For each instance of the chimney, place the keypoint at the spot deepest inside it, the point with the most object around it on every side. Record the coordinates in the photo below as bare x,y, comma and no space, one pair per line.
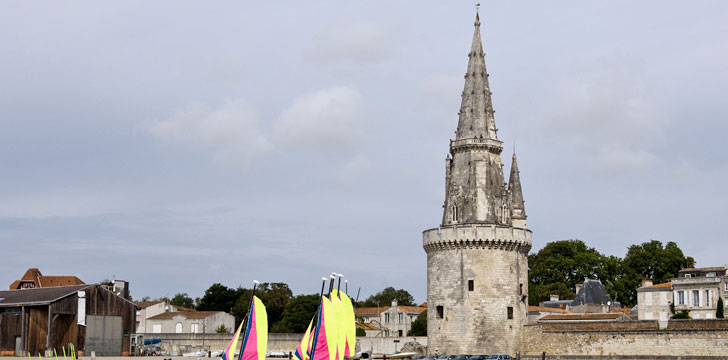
394,303
553,298
646,283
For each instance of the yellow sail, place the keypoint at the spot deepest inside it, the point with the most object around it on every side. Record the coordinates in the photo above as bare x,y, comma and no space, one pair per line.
340,324
349,325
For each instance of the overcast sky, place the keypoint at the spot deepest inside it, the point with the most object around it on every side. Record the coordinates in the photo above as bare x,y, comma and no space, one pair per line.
181,143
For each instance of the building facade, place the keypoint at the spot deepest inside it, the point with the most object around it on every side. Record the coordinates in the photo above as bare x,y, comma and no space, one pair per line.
695,290
653,301
191,322
387,321
477,266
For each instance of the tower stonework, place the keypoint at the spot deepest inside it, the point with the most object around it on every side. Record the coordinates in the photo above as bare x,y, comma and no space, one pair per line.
477,265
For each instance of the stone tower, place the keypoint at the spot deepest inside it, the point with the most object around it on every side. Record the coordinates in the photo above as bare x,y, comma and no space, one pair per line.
477,268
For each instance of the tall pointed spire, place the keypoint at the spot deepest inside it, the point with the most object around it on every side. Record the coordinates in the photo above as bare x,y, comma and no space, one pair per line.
476,109
515,195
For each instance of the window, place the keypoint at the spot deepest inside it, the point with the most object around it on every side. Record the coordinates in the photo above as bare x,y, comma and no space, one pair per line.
178,328
696,297
440,311
386,318
471,285
648,298
194,328
681,298
663,298
510,312
400,318
520,289
399,332
454,213
688,275
648,315
157,328
710,274
386,332
707,298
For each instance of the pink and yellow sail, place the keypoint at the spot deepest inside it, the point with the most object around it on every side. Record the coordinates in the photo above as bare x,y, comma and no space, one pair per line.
255,341
229,353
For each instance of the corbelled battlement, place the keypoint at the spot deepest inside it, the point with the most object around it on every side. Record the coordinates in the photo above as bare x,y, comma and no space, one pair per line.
477,236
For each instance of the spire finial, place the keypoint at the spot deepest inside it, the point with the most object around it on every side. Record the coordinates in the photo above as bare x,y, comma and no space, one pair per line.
477,14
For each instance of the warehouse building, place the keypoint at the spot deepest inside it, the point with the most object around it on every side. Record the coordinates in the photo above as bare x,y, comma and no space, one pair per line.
91,317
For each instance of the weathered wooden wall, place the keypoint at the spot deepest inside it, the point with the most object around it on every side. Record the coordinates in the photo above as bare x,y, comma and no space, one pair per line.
37,329
10,327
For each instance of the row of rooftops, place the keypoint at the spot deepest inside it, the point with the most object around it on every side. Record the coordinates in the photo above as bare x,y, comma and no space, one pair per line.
717,272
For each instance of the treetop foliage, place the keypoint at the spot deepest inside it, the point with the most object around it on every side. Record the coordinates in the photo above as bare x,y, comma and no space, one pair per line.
561,265
385,297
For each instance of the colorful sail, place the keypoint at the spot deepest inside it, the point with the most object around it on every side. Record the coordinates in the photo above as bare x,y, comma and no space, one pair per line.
255,342
340,324
324,340
303,352
229,353
349,325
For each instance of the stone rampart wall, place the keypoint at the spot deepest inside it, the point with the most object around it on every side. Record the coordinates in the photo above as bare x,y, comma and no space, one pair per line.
184,343
619,340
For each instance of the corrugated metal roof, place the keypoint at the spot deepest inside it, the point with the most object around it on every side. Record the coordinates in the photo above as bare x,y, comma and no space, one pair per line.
37,296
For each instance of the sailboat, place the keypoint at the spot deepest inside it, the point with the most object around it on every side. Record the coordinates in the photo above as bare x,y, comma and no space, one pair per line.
331,335
255,336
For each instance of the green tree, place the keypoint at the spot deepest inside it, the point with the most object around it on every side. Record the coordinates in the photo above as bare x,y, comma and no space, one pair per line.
360,332
538,292
385,297
720,309
419,326
275,296
649,260
222,329
182,299
218,297
297,314
568,262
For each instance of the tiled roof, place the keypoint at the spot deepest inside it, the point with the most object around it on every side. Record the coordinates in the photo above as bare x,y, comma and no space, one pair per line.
547,309
713,268
609,316
38,295
666,285
364,311
366,326
187,314
34,275
146,304
412,309
46,281
182,308
424,304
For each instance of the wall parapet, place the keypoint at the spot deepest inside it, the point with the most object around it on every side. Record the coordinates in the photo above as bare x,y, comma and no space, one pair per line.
477,236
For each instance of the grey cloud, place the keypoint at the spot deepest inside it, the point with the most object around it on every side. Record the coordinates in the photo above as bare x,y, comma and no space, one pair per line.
355,41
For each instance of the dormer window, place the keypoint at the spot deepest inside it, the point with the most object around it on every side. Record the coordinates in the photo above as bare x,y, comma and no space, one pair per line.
710,274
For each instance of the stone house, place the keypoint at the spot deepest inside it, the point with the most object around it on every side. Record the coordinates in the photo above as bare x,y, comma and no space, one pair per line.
149,309
535,313
653,301
697,290
190,322
387,321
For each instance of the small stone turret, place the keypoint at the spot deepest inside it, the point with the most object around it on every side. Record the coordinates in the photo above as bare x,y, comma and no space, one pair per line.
515,196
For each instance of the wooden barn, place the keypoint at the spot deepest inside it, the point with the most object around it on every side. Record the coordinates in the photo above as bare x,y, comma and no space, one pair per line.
90,317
